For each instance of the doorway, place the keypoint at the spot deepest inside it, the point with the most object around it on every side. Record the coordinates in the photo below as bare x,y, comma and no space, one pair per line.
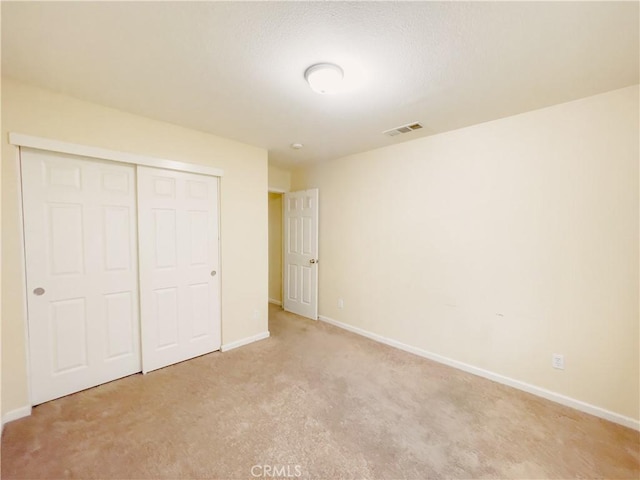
293,251
275,248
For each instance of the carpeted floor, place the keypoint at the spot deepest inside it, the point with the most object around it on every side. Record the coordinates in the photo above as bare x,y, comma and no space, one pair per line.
313,401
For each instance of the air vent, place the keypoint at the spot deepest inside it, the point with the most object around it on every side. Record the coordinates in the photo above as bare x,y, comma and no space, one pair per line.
409,127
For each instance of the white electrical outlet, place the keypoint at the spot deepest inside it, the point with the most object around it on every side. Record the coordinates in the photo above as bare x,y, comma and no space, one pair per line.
340,303
256,315
557,360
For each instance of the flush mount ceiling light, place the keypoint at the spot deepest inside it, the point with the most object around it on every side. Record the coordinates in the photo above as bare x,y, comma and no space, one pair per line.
324,77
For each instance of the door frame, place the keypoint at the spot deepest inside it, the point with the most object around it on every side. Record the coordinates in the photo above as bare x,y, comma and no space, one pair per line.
39,143
20,141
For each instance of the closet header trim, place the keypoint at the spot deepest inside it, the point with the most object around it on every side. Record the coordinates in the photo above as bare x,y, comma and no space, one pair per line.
39,143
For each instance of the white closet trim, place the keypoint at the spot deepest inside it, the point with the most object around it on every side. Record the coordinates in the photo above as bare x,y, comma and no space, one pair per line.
40,143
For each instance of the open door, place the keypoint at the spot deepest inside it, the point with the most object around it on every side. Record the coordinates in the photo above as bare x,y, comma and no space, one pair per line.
301,253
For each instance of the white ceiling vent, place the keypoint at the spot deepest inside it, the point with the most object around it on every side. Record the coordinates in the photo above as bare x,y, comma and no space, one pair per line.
409,127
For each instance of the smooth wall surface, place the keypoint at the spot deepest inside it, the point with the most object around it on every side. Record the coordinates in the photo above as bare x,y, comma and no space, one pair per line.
279,179
498,245
244,227
275,247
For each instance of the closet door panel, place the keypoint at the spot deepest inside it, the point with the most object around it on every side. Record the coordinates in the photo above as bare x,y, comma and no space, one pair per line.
81,264
179,266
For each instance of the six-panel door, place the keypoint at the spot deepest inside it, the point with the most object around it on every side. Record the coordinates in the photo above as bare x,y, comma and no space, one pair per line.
301,253
81,263
179,268
90,296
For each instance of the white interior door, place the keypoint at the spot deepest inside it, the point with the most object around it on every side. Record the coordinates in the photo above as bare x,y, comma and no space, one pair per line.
301,253
81,264
179,266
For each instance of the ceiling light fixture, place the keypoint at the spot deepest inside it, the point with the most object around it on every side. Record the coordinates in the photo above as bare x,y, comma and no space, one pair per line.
296,146
324,77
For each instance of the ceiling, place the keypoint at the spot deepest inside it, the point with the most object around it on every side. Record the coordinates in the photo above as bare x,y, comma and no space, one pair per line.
235,69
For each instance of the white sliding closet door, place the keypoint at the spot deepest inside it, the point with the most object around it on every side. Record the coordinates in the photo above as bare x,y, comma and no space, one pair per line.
81,264
179,265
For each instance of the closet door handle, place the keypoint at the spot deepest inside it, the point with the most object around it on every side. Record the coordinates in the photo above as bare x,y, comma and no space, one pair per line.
38,291
213,273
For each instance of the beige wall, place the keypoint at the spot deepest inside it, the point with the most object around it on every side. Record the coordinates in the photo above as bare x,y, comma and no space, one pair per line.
1,235
244,227
275,247
279,179
497,245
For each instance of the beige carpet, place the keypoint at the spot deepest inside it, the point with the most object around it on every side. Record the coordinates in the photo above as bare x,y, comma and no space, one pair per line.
317,402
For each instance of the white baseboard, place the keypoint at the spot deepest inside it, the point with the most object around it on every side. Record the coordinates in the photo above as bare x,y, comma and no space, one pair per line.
16,414
496,377
244,341
275,302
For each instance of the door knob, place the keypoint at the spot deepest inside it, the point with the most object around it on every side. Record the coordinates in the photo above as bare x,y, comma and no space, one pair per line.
313,260
38,291
213,273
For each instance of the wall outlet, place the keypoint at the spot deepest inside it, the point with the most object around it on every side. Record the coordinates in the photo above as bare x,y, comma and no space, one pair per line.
256,315
340,303
557,360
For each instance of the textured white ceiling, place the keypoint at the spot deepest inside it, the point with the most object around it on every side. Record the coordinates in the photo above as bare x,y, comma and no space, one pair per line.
235,69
